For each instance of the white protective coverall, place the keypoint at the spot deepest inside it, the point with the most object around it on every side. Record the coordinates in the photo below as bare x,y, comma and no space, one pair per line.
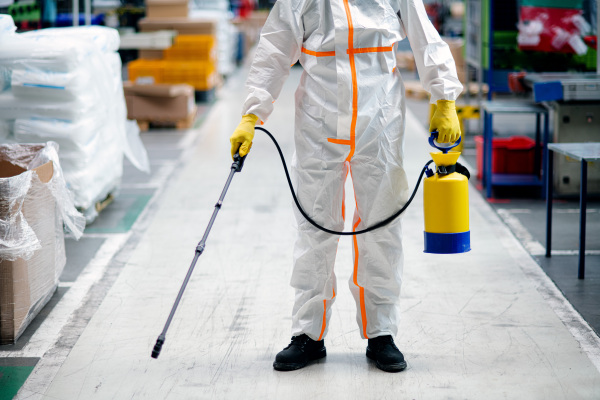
349,119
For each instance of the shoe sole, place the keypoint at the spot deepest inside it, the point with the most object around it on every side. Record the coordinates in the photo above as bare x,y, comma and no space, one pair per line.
387,367
295,366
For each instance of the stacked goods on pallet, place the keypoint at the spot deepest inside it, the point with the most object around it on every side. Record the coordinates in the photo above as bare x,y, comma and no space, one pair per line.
65,86
34,205
215,21
191,60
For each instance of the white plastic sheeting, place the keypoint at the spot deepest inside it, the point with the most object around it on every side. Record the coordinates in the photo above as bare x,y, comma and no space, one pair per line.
64,85
17,238
7,26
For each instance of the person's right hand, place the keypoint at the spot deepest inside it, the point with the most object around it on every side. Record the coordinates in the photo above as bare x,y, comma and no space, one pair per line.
445,121
243,135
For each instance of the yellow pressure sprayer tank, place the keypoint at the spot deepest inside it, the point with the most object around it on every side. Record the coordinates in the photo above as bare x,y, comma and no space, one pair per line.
446,204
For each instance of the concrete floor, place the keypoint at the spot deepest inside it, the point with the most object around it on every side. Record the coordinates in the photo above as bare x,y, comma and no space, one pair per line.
486,324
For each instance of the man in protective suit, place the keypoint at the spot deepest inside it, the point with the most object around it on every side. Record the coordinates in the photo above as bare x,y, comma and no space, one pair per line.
349,120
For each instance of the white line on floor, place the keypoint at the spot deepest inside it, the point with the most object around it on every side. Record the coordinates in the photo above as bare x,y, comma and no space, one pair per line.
519,210
573,210
554,210
571,253
48,333
531,245
534,247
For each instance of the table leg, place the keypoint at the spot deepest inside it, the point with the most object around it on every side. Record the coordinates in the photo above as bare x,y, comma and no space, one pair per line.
536,153
545,153
548,179
582,218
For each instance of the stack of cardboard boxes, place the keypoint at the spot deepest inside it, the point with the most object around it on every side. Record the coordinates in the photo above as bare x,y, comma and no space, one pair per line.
164,83
191,60
173,15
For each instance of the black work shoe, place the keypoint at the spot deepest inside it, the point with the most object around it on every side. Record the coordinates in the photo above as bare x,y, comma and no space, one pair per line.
298,353
386,355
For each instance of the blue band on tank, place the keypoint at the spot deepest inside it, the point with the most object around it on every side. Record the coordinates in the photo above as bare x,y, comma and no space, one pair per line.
447,243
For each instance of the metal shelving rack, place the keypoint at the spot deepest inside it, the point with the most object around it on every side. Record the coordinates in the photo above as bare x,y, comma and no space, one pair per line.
474,44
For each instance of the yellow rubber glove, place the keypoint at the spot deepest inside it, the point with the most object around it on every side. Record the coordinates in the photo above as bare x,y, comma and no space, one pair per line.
445,121
243,135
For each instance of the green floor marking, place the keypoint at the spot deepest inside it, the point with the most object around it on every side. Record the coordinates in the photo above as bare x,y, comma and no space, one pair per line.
11,380
128,218
133,213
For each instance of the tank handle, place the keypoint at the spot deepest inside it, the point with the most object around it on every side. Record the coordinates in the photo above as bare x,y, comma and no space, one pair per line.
444,149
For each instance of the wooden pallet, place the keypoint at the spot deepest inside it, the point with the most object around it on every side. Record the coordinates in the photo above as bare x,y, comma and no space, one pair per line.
102,204
186,123
98,206
415,90
474,88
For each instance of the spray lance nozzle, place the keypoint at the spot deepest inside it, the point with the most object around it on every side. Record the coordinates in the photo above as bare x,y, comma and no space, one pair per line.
443,149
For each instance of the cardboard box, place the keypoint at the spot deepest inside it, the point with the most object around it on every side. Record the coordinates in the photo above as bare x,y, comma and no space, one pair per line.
150,54
27,285
183,26
166,8
159,102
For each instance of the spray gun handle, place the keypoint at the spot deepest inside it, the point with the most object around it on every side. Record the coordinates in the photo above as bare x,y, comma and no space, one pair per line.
444,149
238,162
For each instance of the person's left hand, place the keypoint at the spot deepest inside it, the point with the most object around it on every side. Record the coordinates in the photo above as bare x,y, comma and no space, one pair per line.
445,122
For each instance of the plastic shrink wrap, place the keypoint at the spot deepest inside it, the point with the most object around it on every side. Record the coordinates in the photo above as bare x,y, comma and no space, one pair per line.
35,208
65,85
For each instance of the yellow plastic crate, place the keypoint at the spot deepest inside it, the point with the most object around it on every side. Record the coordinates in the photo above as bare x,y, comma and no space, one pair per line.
192,48
201,75
146,68
195,41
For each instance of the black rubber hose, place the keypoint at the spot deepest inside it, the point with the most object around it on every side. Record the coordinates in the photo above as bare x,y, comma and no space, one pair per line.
309,219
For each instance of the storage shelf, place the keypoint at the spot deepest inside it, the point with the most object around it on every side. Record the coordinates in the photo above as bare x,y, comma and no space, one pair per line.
516,180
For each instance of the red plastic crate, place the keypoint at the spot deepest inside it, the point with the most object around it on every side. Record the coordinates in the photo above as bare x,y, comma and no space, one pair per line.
512,155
